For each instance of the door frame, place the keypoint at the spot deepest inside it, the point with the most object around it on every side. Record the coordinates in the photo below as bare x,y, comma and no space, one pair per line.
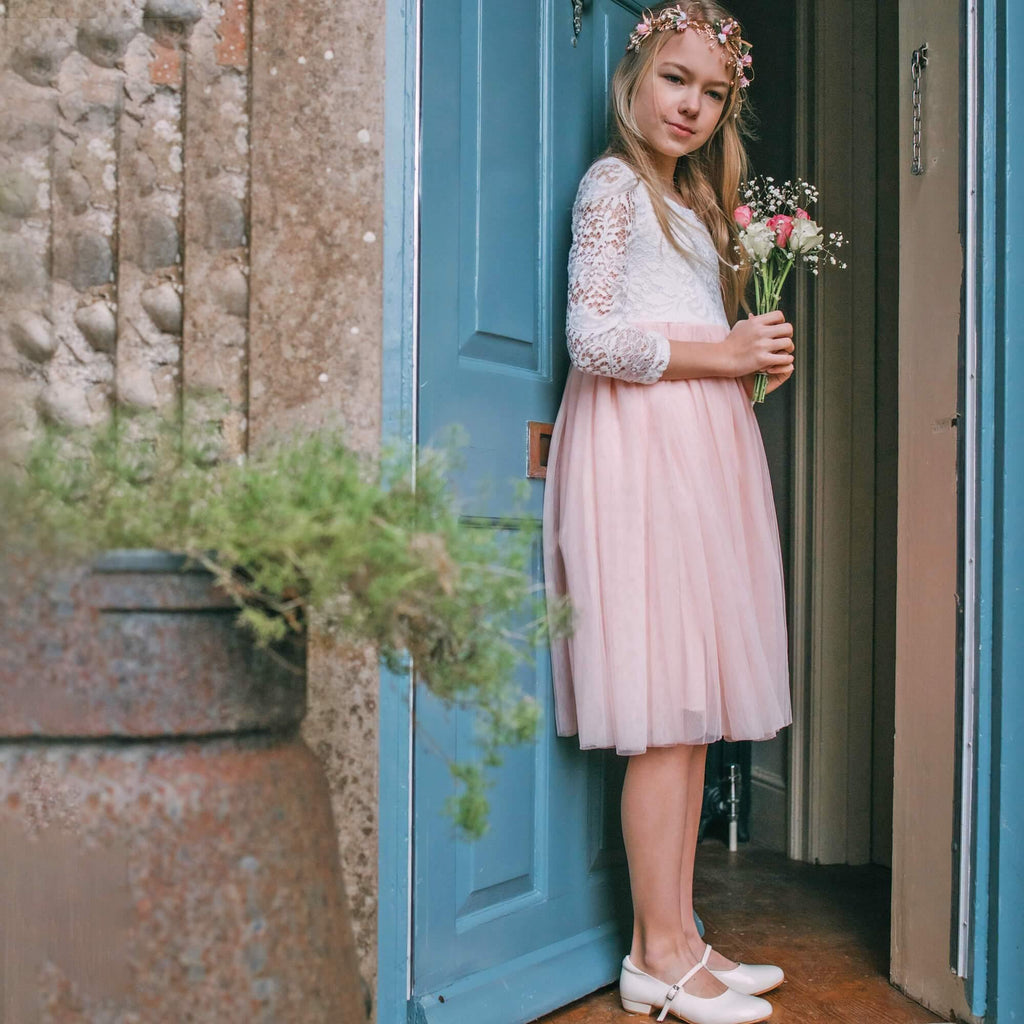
817,741
400,256
399,343
823,740
993,900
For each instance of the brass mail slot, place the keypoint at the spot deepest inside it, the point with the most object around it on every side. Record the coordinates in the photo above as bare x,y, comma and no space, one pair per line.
537,450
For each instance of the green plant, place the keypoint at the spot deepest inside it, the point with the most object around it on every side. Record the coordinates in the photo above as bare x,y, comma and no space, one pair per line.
304,528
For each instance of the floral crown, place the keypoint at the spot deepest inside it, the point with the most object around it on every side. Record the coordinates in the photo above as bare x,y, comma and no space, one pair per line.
725,32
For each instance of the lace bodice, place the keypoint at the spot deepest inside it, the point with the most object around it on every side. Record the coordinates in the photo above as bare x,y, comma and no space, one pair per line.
623,272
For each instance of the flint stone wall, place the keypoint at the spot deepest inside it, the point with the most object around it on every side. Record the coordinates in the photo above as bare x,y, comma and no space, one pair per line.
191,194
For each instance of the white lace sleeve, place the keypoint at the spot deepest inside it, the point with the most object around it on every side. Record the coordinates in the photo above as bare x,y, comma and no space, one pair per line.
600,339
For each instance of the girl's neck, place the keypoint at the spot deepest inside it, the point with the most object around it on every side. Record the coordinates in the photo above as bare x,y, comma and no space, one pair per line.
665,168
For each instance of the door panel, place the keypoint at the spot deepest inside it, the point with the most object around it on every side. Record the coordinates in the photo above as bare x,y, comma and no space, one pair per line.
512,116
501,169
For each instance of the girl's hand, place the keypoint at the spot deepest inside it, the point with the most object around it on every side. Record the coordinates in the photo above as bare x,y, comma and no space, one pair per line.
775,380
762,342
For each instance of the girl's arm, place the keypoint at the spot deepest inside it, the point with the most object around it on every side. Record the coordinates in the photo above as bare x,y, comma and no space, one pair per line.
600,339
763,342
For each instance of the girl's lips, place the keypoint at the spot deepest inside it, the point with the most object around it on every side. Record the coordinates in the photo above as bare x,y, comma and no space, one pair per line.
680,129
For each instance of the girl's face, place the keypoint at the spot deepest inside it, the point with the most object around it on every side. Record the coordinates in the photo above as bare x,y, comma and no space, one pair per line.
679,103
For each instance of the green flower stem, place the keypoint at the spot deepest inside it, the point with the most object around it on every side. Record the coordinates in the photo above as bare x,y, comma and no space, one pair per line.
760,387
769,277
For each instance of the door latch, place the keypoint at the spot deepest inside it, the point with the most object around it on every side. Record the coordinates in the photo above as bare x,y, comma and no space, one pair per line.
918,62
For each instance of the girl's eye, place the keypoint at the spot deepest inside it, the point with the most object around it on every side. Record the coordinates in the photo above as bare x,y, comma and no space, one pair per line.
673,78
716,96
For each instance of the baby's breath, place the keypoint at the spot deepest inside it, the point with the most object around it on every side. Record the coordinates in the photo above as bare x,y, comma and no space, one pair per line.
768,198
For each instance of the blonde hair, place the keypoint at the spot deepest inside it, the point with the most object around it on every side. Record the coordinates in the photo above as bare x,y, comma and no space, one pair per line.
708,179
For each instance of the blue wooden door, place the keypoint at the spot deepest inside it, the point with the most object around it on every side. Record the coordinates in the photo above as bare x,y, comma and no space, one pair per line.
532,916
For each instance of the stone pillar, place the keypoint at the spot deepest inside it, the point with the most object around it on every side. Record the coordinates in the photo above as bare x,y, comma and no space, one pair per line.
191,193
315,321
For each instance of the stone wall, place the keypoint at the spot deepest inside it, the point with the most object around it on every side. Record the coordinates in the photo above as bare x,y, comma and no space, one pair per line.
191,195
113,213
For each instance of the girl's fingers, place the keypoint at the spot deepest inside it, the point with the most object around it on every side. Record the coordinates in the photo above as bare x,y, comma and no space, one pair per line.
776,380
780,379
778,355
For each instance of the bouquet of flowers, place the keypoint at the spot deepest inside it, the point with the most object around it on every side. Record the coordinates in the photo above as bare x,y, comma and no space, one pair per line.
776,232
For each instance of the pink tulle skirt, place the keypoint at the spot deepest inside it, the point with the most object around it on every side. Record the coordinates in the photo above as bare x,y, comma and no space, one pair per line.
660,526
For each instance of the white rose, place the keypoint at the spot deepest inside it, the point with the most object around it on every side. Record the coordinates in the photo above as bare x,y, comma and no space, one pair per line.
805,237
758,240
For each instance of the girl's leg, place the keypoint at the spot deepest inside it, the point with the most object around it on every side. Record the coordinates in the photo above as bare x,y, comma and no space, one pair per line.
657,799
695,787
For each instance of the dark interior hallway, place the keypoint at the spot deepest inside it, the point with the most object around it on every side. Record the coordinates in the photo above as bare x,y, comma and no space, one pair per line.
828,927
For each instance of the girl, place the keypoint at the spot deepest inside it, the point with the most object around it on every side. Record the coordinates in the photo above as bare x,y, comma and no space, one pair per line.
659,522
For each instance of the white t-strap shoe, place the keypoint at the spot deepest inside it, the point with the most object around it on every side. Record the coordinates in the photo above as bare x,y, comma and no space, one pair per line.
641,993
750,979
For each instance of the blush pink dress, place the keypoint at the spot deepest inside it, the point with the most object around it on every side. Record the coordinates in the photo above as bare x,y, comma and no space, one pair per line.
659,521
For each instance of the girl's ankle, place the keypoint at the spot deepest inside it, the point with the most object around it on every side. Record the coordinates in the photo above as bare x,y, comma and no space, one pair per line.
694,944
661,959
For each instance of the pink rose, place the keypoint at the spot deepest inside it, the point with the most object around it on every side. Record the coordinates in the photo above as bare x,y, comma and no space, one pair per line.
782,225
802,214
743,215
643,29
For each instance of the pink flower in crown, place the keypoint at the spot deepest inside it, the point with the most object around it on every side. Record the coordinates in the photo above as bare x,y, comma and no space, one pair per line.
802,214
782,225
743,215
643,29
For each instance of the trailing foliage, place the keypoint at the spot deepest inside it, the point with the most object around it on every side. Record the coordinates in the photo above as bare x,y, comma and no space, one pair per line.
307,528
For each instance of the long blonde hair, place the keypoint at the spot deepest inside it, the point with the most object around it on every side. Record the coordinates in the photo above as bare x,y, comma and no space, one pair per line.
708,179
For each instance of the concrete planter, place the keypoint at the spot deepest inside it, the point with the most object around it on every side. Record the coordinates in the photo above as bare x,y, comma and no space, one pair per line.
167,842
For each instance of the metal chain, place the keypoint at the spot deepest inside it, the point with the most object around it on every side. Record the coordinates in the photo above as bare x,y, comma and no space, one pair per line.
918,62
577,19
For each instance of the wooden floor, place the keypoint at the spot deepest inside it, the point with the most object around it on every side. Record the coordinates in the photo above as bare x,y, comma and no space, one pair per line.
827,927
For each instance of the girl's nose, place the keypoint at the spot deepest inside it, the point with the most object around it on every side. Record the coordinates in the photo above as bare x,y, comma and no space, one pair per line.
689,101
